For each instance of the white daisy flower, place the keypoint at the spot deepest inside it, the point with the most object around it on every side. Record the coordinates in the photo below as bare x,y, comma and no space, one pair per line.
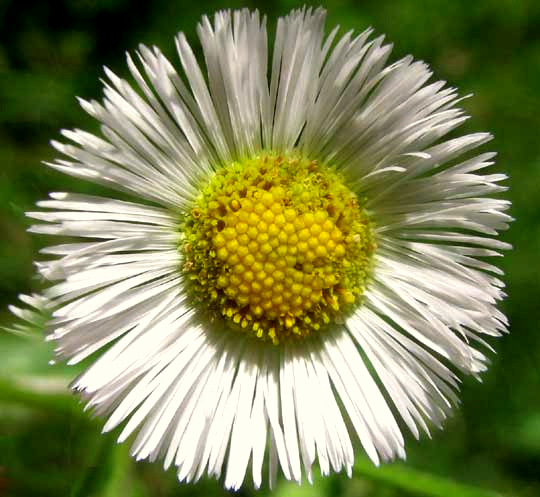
303,259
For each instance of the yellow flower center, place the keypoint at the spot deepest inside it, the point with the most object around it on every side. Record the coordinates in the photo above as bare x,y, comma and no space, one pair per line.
278,247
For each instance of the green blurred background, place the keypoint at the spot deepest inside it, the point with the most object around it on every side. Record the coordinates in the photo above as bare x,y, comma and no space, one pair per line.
52,51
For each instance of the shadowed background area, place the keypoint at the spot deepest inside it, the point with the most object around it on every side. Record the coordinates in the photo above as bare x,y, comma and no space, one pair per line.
52,51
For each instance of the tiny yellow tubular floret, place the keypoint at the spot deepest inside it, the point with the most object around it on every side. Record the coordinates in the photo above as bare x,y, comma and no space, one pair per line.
291,247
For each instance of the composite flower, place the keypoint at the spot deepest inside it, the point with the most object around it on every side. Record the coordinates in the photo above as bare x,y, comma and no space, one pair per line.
299,257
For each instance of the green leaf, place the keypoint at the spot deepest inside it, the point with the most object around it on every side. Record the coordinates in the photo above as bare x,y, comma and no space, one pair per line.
41,394
416,482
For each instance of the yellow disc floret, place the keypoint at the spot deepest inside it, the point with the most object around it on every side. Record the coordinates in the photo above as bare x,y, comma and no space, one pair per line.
278,247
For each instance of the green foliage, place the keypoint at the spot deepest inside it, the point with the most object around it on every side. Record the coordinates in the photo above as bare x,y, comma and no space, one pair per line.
52,51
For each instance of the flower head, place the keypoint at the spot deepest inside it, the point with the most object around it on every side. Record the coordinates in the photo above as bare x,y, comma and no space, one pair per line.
296,245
